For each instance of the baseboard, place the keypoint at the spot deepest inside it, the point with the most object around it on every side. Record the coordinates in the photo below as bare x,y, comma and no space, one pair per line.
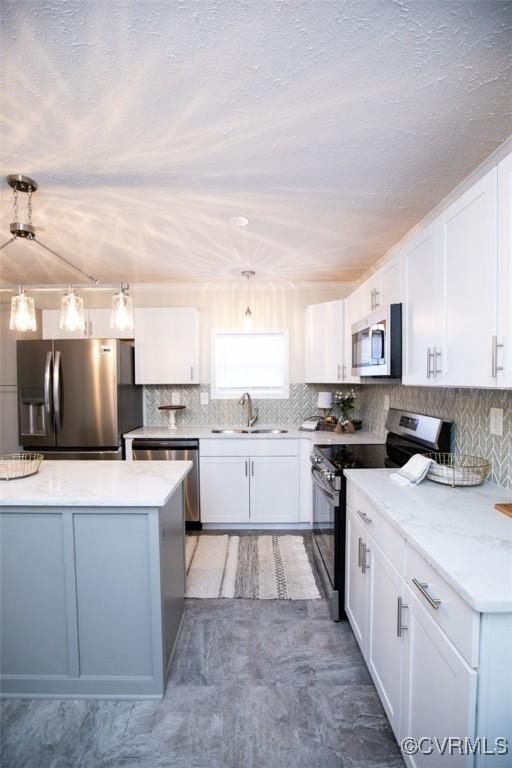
257,526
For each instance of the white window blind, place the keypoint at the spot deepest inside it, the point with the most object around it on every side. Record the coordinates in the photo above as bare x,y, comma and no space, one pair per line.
250,361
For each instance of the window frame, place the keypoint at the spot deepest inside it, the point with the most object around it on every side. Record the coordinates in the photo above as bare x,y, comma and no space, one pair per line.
257,393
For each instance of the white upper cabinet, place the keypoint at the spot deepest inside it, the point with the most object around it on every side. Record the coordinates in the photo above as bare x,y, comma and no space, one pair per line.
324,343
97,326
469,257
167,345
382,287
422,306
503,354
457,291
353,313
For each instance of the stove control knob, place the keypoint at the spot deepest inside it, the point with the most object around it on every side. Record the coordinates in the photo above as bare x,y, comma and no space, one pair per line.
330,476
316,459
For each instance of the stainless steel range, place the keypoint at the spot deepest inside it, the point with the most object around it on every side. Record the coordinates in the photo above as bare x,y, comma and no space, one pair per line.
408,433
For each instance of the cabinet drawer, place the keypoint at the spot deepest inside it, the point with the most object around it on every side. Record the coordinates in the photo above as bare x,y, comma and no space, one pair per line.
377,527
452,614
245,446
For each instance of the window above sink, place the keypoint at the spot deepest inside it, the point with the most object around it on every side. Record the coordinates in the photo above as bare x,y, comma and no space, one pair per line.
250,361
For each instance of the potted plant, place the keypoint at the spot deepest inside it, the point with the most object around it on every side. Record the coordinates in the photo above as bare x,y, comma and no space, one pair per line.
343,405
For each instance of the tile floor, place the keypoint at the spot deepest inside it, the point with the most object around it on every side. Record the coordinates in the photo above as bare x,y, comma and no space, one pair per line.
254,684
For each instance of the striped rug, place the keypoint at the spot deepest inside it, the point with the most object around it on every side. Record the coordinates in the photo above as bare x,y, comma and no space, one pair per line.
260,567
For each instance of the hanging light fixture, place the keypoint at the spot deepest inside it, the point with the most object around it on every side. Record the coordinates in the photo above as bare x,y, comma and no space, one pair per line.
23,312
72,315
122,310
248,273
25,229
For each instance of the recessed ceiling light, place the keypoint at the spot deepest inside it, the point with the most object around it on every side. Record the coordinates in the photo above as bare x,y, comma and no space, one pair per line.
239,221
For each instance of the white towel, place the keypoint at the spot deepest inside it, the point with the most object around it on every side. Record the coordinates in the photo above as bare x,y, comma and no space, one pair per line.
414,472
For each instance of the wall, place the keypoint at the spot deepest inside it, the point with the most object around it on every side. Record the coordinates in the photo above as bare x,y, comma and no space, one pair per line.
467,408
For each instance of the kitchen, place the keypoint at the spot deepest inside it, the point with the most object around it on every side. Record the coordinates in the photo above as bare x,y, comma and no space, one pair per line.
272,311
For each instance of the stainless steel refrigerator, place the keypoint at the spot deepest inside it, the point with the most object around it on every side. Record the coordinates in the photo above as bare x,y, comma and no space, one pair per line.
76,398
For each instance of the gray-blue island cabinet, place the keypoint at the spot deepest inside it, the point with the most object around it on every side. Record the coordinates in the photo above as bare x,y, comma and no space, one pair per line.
92,575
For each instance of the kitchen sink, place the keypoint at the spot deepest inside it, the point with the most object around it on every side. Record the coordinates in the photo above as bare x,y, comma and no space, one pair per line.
230,431
268,431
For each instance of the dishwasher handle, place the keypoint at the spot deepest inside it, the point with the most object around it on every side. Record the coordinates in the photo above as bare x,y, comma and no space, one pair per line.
165,445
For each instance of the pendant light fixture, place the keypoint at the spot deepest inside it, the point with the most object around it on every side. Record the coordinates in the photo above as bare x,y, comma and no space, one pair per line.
72,315
23,312
24,185
122,310
248,273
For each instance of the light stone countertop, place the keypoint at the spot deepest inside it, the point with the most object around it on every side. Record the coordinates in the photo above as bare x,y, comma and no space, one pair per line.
96,484
457,530
204,433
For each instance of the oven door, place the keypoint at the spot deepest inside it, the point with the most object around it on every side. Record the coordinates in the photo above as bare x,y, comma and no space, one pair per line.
326,516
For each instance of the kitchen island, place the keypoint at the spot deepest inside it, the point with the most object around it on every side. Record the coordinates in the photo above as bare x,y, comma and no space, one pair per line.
92,578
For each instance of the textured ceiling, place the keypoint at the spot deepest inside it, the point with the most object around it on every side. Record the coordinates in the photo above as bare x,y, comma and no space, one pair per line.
333,125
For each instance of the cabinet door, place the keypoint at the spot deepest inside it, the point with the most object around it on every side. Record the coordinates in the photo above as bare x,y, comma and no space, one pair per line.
390,282
274,489
324,342
421,307
224,484
438,689
470,264
353,313
504,354
369,294
356,582
167,345
385,642
51,330
99,326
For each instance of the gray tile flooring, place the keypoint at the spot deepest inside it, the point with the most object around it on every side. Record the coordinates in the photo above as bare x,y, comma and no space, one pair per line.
254,684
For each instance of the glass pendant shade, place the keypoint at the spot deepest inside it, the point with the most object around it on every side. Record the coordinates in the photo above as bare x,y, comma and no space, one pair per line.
72,315
122,311
23,312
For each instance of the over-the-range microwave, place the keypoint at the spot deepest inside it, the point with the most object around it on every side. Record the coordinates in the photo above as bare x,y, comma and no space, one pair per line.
377,343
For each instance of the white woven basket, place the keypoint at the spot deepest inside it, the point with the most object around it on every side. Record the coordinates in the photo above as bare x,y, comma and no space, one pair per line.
16,465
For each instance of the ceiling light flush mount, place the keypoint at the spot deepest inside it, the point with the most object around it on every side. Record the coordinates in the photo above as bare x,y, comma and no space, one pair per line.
26,185
23,312
239,221
248,273
122,310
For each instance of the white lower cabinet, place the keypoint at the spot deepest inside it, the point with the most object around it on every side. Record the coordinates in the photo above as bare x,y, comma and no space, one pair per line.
224,489
438,689
423,645
249,485
274,489
385,645
356,598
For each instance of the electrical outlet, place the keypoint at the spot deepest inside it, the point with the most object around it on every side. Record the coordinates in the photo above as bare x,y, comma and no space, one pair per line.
204,399
175,397
386,402
496,421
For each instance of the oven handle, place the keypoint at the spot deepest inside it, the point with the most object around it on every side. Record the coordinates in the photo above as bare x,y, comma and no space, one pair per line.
332,495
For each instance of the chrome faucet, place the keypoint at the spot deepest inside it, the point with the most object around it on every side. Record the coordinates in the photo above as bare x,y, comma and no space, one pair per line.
252,414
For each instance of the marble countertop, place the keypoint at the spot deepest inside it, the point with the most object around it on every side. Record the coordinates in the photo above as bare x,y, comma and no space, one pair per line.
204,433
457,530
96,484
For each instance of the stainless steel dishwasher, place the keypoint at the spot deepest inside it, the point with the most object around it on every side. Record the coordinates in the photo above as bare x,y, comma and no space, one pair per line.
176,450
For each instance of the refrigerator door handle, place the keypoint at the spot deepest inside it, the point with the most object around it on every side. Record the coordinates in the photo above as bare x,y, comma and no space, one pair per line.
47,388
56,391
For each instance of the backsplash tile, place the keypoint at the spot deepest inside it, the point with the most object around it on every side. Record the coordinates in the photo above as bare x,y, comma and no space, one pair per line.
300,405
468,409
